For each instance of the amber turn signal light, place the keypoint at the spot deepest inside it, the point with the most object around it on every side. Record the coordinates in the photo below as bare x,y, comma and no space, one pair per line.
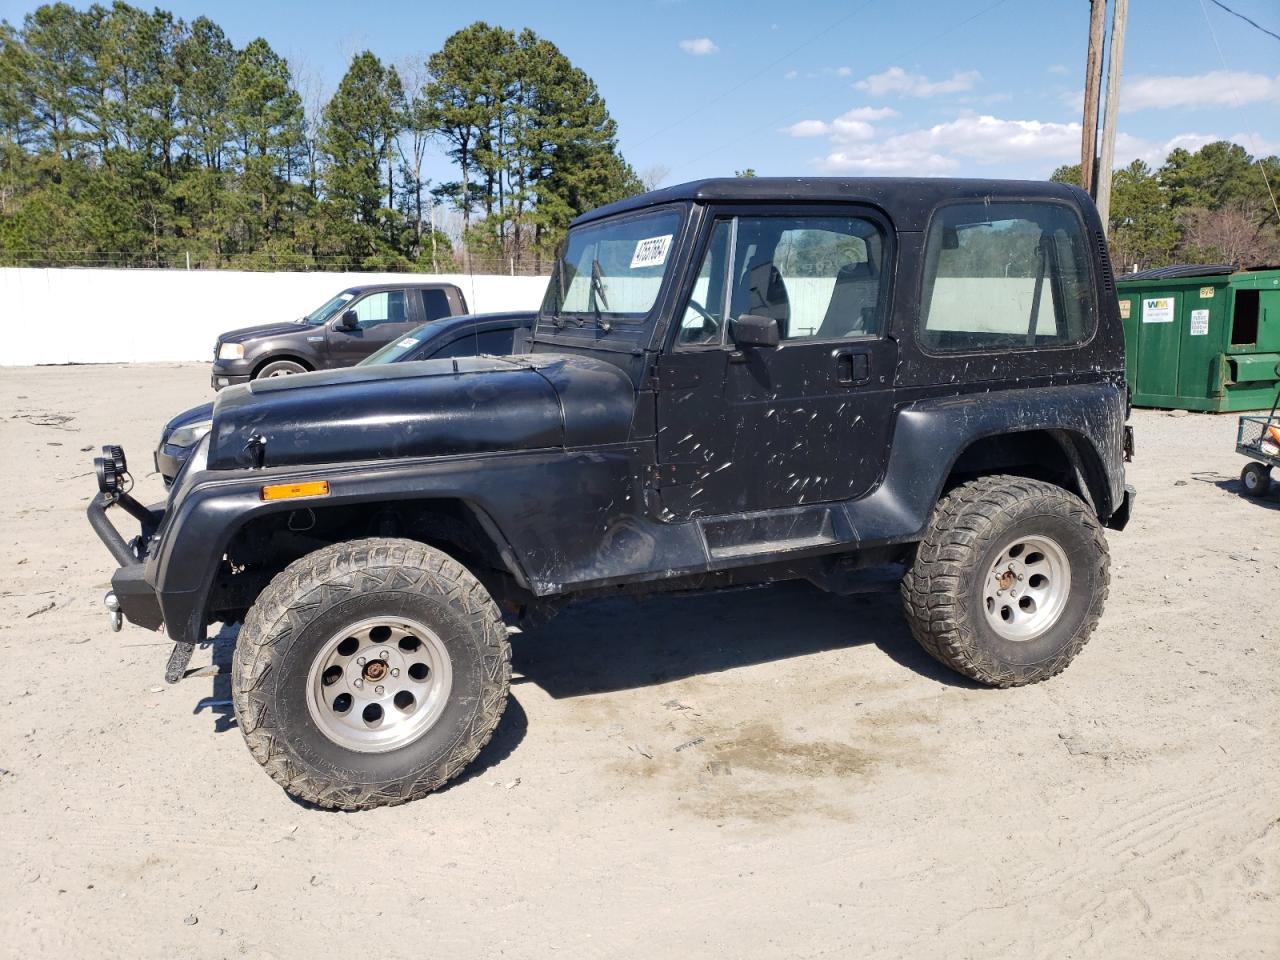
291,491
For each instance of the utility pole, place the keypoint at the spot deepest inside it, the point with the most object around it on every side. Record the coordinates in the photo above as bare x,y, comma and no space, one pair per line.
1092,86
1107,160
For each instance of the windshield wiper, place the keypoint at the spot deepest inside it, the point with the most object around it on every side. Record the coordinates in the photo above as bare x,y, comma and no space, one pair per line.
598,296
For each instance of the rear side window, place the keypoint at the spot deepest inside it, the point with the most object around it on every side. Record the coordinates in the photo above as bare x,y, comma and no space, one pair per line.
493,342
435,304
1000,276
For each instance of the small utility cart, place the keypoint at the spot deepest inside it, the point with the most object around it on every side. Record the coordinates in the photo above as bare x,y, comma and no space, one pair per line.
1259,440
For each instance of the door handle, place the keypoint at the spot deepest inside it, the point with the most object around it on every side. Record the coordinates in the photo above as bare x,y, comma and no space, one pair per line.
852,368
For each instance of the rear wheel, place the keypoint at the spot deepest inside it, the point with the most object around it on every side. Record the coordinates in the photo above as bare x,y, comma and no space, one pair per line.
370,673
1256,479
280,368
1009,581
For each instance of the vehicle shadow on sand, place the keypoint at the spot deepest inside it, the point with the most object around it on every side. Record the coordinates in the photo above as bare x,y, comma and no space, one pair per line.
218,703
618,643
1270,502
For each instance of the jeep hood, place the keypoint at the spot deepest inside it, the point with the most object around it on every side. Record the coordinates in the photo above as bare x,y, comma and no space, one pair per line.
420,409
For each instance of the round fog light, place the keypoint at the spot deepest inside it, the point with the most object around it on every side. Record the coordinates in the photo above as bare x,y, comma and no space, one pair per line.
108,479
115,453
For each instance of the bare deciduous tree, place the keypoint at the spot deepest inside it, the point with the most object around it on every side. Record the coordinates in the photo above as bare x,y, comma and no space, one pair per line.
1231,234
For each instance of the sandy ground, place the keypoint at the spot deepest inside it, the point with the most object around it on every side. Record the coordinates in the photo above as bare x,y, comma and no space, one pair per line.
769,773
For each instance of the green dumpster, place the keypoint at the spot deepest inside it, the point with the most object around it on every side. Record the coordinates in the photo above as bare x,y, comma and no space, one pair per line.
1201,338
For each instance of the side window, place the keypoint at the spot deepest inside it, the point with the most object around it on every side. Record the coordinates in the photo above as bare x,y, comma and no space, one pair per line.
704,314
493,342
829,270
385,306
819,277
435,303
1004,275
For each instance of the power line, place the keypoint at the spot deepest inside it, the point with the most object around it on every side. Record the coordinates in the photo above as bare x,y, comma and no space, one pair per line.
1252,23
1262,167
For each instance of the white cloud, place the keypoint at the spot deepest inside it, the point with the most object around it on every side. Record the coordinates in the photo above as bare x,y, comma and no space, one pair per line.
896,80
1153,152
1129,148
869,113
844,71
851,126
977,140
1257,145
699,46
1057,68
981,139
1228,88
808,128
790,75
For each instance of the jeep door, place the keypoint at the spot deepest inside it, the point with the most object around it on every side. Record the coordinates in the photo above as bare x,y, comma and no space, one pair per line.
382,315
807,421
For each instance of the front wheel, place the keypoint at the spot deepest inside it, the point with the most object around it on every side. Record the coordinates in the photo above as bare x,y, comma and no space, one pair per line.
280,368
1009,580
1256,479
370,673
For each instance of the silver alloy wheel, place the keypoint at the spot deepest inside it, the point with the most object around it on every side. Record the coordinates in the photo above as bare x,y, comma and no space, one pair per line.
379,685
1027,587
282,372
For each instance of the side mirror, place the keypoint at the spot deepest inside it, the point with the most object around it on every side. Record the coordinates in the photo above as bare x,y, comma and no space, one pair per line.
348,320
751,330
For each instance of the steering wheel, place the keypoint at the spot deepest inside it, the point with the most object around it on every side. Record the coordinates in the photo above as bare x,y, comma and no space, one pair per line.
710,325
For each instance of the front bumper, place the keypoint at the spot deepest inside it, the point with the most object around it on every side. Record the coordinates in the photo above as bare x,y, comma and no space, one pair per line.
229,374
137,598
132,594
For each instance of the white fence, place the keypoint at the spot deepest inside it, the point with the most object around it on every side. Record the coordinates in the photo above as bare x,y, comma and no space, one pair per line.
134,316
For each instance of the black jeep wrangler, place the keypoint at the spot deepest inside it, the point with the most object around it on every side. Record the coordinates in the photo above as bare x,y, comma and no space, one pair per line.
731,381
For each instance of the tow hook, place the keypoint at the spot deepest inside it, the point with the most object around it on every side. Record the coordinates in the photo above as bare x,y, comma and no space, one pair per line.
113,608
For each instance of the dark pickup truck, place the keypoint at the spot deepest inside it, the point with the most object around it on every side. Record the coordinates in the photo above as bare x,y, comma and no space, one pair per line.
729,382
340,333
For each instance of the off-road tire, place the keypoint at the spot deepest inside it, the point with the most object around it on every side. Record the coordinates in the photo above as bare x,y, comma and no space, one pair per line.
280,368
295,616
1255,479
942,590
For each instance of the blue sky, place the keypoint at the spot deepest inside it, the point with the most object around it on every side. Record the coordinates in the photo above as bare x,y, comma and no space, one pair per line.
704,87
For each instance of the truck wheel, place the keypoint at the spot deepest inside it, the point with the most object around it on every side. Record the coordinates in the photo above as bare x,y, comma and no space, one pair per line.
1009,581
370,673
1256,479
280,368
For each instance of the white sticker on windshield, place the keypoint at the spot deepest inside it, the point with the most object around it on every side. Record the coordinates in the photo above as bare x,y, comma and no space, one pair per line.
407,342
651,252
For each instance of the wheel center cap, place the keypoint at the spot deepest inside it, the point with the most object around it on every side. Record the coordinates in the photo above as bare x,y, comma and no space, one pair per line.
375,670
1007,579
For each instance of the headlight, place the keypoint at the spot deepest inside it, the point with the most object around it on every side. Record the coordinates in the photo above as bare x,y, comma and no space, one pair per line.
189,434
198,460
231,351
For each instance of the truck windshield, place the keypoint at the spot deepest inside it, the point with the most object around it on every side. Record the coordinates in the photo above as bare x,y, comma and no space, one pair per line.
321,314
612,269
397,349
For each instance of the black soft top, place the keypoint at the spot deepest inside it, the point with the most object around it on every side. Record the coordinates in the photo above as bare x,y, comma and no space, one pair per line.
907,199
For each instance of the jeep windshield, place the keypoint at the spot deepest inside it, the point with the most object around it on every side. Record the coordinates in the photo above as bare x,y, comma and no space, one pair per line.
323,313
611,270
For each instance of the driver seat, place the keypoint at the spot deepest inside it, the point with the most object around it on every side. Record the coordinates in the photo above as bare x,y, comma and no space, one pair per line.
764,294
854,299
